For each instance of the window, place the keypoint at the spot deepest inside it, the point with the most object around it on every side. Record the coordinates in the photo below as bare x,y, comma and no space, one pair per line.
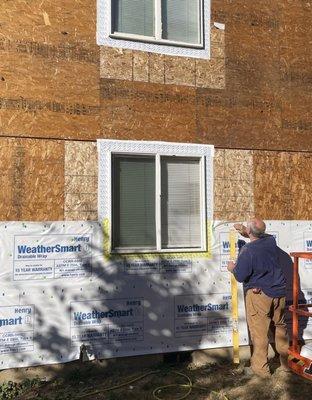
158,203
177,22
171,27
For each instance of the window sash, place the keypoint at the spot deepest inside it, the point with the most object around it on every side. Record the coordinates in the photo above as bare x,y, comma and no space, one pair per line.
133,16
133,197
180,202
158,211
181,20
158,32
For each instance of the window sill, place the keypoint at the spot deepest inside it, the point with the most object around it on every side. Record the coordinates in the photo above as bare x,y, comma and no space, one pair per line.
153,251
151,40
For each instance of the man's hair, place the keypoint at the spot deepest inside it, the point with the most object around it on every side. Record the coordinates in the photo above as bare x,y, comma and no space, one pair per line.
257,229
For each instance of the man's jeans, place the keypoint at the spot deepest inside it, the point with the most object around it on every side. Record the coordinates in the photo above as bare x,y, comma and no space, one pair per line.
261,311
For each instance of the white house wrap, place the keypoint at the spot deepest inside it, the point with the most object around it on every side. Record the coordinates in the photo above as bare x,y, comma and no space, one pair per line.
58,292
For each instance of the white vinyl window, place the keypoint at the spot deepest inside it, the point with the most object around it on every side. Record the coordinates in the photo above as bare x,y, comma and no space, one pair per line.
158,203
172,22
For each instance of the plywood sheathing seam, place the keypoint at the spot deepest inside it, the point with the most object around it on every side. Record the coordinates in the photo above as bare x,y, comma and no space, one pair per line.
141,66
80,181
32,181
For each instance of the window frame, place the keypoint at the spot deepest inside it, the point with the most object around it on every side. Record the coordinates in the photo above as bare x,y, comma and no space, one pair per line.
158,30
203,204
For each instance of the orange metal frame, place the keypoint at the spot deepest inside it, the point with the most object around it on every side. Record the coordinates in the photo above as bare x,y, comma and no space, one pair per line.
300,365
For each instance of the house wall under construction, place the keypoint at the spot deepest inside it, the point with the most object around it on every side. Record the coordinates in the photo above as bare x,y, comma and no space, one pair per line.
60,91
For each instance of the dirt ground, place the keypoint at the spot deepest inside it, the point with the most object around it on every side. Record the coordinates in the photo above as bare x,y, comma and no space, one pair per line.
219,381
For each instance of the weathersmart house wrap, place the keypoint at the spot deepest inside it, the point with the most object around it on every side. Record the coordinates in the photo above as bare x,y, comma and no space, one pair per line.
59,292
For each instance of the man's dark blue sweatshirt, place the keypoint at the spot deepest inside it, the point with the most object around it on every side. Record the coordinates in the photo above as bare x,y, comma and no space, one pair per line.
258,266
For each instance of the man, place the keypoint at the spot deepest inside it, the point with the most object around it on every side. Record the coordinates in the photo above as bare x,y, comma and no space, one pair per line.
259,268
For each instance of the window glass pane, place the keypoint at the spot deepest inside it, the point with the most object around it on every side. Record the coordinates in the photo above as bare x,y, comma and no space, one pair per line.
180,202
134,202
181,20
133,16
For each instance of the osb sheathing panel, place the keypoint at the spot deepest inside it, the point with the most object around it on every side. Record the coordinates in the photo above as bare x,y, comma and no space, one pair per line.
81,173
267,59
233,185
135,65
300,185
145,111
49,75
262,102
63,81
32,181
254,93
272,185
49,21
252,75
283,185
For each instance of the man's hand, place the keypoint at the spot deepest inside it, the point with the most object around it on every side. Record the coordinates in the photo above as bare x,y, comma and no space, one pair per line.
231,266
241,229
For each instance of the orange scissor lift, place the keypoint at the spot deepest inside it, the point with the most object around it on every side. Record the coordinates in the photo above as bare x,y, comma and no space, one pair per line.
300,358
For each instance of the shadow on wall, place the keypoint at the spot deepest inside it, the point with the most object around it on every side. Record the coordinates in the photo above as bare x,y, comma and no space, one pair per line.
104,293
110,281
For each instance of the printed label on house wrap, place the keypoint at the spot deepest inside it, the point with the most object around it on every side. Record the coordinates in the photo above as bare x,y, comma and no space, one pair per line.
107,321
202,314
16,329
51,256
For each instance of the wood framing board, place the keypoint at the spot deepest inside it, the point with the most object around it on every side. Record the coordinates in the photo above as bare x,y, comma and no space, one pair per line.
81,180
33,180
